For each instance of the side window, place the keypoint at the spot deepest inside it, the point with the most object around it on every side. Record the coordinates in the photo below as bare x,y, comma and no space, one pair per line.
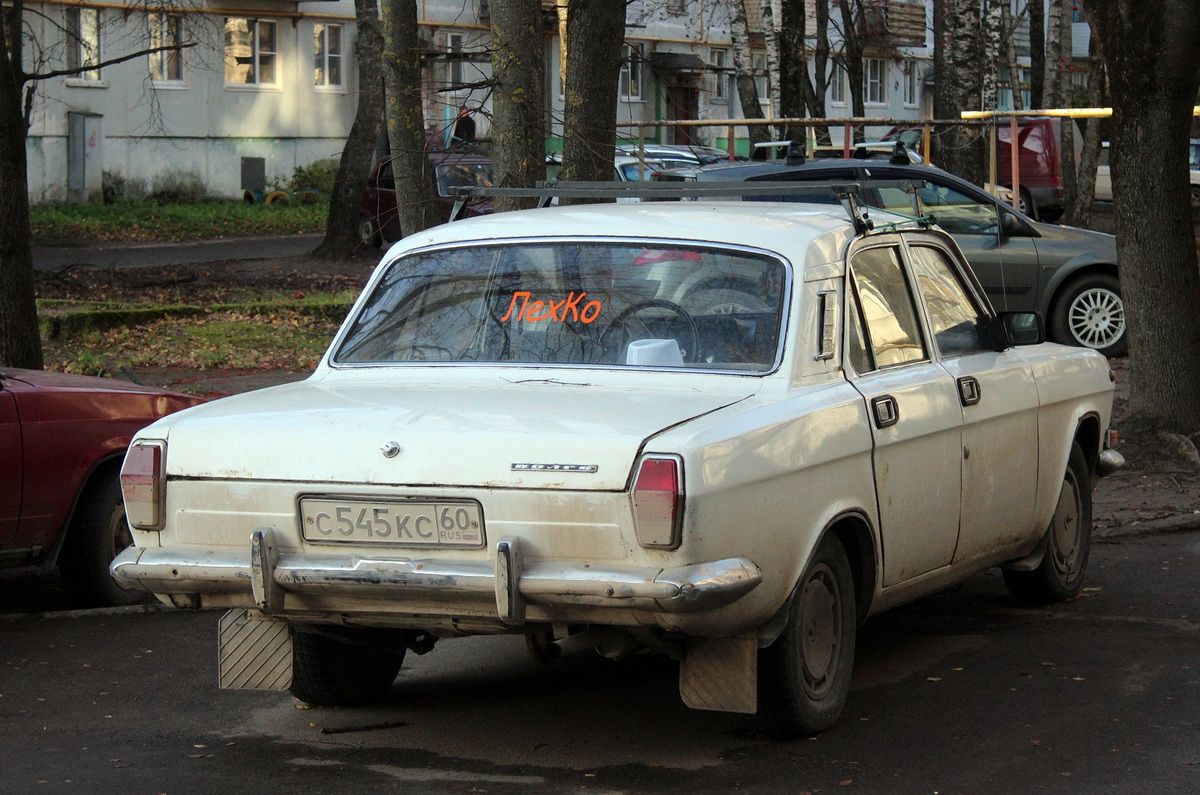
953,316
886,306
958,213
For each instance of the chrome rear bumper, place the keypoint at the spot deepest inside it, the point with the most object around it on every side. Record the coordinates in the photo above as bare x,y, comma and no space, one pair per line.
269,576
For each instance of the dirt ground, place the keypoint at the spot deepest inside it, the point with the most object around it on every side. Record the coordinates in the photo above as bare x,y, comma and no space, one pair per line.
1157,491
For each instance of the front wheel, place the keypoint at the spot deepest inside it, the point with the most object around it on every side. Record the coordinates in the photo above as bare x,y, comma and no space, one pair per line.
328,672
804,676
1068,541
1090,313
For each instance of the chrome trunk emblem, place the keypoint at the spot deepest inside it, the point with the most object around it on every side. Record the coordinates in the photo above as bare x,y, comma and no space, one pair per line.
586,468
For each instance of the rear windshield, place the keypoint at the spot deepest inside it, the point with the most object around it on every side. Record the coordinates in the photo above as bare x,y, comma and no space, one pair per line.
603,304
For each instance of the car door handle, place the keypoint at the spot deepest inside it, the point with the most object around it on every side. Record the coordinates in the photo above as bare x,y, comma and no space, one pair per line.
886,411
968,391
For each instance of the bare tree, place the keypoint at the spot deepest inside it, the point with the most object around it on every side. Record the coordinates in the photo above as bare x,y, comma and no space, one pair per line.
743,63
1037,52
956,58
20,342
342,238
992,28
851,58
1009,23
518,108
416,199
1079,203
1057,87
1152,51
595,36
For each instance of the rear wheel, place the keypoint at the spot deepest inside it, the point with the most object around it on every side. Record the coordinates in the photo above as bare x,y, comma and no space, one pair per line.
1090,313
97,533
329,672
804,676
1068,541
368,233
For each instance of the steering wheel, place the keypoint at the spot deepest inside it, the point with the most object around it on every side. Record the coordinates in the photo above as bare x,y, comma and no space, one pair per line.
625,322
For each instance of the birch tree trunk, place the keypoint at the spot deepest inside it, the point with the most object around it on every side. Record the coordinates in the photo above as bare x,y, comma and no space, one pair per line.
957,52
341,226
743,64
771,34
518,107
1010,52
1152,55
993,23
416,198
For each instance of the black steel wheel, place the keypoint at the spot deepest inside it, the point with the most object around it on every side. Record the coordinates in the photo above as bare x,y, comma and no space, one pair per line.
1068,541
97,533
330,672
804,676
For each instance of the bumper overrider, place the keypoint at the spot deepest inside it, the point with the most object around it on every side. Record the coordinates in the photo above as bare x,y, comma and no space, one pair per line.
268,575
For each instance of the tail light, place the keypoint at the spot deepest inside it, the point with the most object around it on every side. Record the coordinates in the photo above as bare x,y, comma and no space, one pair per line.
144,484
658,501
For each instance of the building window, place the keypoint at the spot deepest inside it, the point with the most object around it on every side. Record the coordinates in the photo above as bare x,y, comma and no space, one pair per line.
251,52
631,72
874,87
166,30
676,7
721,79
912,84
837,85
83,42
454,61
762,83
327,55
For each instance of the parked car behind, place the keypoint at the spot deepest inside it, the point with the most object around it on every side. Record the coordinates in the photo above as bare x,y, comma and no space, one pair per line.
678,155
1067,275
379,217
1038,137
1104,190
726,432
63,437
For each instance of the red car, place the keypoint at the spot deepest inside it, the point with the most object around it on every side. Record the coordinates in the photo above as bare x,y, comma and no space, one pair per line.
62,439
379,220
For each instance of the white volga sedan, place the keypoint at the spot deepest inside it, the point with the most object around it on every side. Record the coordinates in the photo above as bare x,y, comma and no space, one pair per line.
727,432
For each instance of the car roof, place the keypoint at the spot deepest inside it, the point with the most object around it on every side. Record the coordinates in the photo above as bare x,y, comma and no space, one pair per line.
753,169
788,228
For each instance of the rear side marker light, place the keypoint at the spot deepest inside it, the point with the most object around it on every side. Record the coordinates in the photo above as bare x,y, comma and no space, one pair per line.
658,502
143,484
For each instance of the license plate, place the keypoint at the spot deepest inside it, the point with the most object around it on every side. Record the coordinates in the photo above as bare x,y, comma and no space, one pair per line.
409,523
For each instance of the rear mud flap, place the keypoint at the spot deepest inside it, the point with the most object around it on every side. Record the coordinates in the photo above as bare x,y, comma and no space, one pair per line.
720,674
255,651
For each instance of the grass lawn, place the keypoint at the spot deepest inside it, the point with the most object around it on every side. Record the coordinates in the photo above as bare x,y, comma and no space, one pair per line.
147,221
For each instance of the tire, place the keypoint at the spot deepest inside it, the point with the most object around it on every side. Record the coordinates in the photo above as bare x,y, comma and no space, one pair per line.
1028,206
1089,313
281,198
96,534
804,676
1068,542
368,233
327,672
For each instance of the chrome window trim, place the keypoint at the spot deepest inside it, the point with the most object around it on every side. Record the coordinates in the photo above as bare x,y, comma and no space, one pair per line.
650,242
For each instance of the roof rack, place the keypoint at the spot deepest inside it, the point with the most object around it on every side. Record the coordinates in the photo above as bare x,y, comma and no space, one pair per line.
848,193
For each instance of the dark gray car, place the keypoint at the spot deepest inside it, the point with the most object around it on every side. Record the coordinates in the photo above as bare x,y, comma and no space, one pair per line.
1067,275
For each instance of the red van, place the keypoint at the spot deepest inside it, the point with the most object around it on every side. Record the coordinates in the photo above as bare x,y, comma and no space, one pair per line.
1040,175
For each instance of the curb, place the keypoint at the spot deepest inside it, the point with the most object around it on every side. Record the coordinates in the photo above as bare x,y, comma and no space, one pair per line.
1180,523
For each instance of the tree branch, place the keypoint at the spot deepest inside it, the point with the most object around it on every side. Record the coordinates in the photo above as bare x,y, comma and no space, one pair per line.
110,62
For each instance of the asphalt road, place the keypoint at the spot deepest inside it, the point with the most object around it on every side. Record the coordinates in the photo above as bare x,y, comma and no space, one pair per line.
55,258
965,692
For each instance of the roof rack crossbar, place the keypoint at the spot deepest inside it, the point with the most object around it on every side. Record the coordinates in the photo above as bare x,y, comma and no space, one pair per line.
848,193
